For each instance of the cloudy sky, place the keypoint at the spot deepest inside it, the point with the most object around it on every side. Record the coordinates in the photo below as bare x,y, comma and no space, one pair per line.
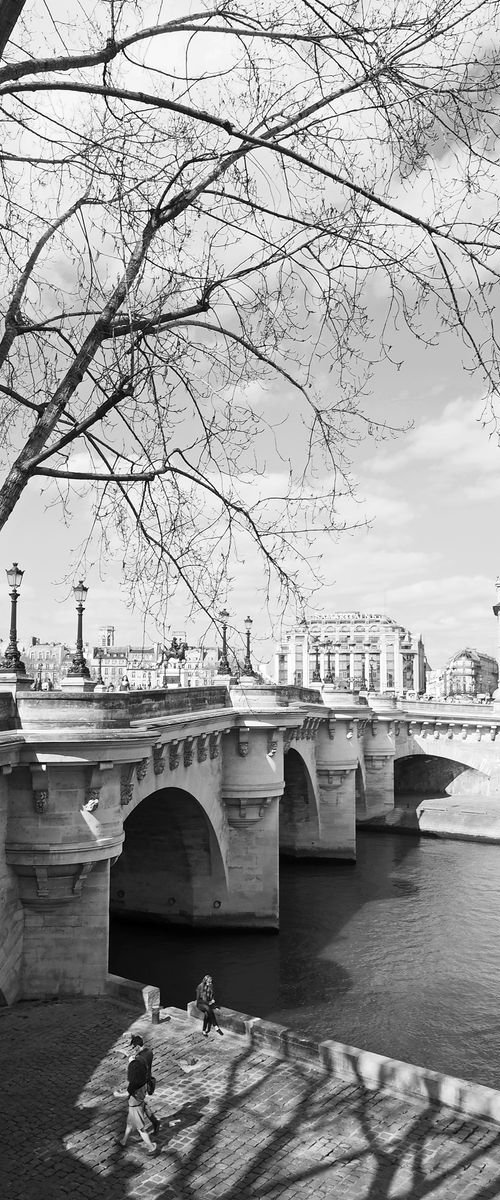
429,558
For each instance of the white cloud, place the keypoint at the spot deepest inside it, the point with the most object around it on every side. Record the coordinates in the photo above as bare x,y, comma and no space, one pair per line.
425,590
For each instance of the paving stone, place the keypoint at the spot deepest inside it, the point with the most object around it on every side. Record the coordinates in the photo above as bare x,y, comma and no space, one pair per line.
251,1127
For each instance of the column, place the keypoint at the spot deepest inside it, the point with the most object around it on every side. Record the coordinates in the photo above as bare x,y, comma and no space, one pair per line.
279,651
308,666
383,667
415,674
299,649
496,610
398,666
367,664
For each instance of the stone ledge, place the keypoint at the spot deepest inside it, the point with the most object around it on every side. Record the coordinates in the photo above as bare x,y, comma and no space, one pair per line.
234,1022
130,990
364,1068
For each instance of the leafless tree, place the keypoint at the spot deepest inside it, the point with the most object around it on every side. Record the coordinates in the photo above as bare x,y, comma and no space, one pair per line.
211,227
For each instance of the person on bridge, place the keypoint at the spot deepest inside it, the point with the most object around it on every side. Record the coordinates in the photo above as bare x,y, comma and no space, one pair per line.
140,1082
205,1001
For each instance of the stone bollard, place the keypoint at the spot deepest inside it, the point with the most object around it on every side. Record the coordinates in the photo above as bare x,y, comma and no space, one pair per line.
151,997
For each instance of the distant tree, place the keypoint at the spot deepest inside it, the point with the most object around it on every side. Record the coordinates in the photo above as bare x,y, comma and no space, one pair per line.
195,210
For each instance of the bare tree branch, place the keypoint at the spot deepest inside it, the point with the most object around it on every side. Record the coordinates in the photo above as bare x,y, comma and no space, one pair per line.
204,302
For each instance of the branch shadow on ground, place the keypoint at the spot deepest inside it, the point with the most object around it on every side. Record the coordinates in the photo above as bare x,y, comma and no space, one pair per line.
254,1126
266,1166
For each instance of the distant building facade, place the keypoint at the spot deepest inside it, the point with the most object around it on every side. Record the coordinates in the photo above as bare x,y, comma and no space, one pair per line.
353,650
47,662
155,666
467,673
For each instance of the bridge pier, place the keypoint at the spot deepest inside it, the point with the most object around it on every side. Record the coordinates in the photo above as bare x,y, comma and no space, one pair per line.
253,864
251,789
59,852
378,757
65,943
336,762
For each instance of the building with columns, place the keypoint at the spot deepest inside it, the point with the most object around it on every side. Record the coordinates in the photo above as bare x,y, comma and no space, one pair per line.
353,650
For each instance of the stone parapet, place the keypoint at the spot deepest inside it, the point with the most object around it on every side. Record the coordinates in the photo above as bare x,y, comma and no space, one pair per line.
372,1071
111,710
130,990
261,696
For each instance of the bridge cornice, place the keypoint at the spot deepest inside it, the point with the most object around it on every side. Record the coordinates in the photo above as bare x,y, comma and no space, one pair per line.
81,746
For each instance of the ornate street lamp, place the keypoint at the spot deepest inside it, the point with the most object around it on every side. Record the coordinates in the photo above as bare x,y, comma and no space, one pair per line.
247,665
328,647
12,658
79,666
316,675
99,654
223,667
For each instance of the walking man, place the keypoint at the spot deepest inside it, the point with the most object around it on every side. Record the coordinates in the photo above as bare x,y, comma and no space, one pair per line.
139,1075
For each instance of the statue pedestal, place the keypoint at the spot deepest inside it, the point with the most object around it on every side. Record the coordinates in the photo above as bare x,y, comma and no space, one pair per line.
77,683
14,681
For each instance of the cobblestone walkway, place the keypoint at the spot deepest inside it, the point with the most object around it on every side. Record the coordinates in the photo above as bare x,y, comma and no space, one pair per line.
246,1125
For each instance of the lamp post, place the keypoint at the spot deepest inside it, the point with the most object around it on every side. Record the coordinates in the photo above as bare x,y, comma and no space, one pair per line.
12,658
328,648
247,665
316,675
99,656
223,667
79,666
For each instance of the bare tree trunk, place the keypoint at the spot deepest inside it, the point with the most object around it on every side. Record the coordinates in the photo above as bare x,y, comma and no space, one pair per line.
10,11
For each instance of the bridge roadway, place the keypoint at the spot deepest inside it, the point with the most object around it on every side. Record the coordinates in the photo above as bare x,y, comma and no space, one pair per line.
176,805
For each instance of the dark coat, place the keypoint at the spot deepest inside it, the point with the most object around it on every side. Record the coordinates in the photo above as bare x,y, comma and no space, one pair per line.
139,1070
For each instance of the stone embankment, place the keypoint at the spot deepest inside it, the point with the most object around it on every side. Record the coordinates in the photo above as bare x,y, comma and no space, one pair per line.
473,818
247,1116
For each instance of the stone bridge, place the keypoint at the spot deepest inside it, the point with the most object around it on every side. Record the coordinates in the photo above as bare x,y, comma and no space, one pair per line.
176,805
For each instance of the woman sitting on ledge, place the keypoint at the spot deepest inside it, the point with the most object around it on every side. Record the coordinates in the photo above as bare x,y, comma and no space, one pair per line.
205,1001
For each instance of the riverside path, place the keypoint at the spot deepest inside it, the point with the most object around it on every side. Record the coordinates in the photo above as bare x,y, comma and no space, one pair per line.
237,1122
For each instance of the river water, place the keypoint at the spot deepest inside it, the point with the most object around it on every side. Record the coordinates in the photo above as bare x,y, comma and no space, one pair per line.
399,954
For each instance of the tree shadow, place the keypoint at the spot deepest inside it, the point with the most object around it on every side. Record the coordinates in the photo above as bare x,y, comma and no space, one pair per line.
183,1117
421,1150
252,1125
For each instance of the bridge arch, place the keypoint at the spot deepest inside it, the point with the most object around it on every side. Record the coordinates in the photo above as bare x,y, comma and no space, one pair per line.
298,812
432,775
172,866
